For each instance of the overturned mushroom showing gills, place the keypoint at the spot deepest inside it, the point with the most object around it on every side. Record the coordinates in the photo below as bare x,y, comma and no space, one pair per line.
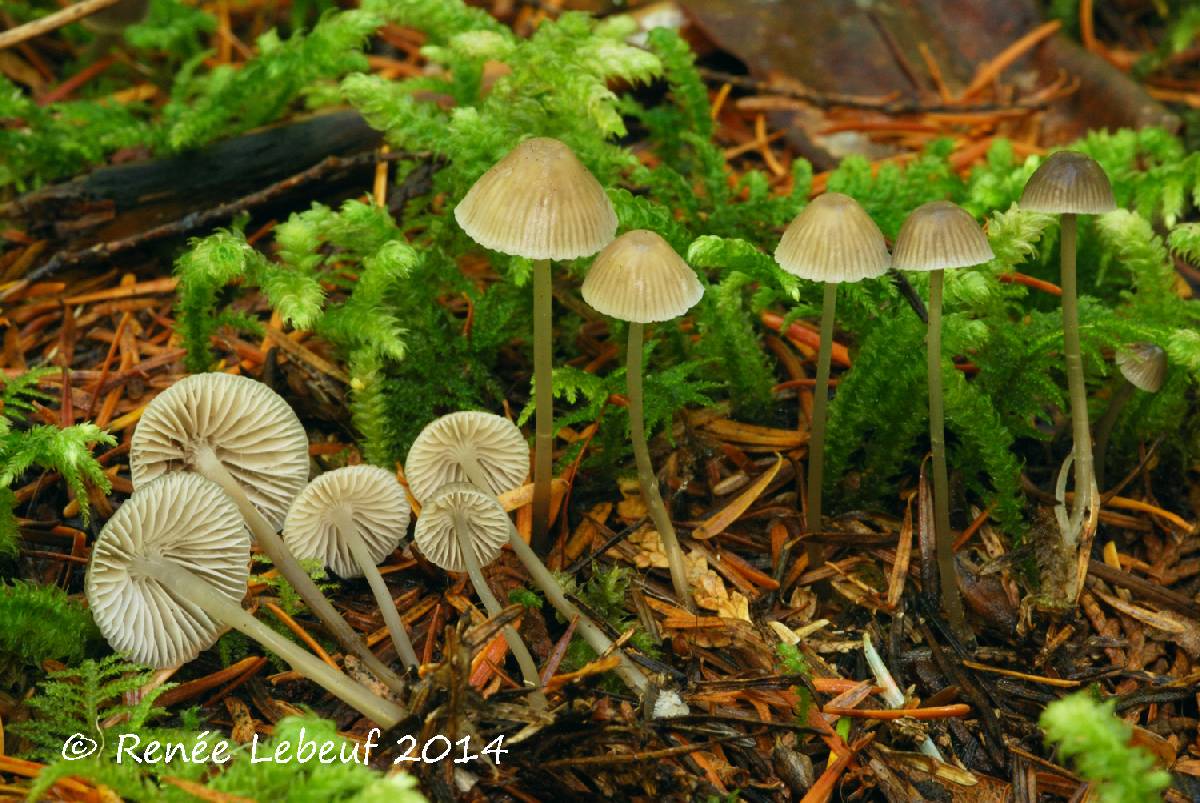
350,519
541,203
489,452
243,436
1143,366
1072,184
832,240
640,279
462,528
167,576
937,236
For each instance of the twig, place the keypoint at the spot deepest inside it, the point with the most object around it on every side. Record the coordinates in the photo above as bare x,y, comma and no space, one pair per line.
207,217
52,22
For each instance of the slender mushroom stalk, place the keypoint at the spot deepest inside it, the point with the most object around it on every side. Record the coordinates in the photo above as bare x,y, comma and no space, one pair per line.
1071,184
241,435
489,452
350,519
645,469
543,384
1143,366
462,528
540,203
640,279
166,577
832,240
937,236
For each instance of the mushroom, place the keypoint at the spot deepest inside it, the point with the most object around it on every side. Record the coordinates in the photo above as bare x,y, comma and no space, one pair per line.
167,576
489,452
937,236
350,519
640,279
462,528
1071,184
1143,366
243,436
541,203
832,240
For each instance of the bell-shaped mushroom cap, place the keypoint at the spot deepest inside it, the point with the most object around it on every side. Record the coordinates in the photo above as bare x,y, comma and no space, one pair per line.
538,202
485,521
182,518
1144,365
249,427
940,235
1068,182
833,239
639,278
435,458
375,502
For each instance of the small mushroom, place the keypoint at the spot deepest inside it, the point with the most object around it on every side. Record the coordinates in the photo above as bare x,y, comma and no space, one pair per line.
1143,366
640,279
462,528
937,236
243,436
167,576
489,452
541,203
1071,184
832,240
350,519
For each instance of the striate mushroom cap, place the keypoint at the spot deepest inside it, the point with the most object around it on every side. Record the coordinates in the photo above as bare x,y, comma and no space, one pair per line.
435,457
249,427
485,521
375,502
639,278
1144,365
940,235
182,518
833,239
538,202
1069,182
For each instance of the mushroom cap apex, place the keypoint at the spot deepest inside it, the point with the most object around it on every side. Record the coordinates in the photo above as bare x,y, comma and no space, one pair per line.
538,202
833,239
639,278
1144,365
940,235
1068,182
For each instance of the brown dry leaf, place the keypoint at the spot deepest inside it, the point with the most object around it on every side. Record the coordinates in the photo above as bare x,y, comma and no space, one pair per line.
803,602
243,729
650,554
1179,629
749,434
631,508
710,592
588,531
716,524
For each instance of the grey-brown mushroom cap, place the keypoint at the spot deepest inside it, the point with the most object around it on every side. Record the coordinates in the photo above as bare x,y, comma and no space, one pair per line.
435,457
638,277
485,521
940,235
252,430
182,518
538,202
375,502
833,239
1068,182
1144,365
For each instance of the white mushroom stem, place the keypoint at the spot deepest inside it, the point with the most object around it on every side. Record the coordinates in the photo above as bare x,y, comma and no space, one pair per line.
348,532
529,670
646,477
544,580
208,465
189,588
